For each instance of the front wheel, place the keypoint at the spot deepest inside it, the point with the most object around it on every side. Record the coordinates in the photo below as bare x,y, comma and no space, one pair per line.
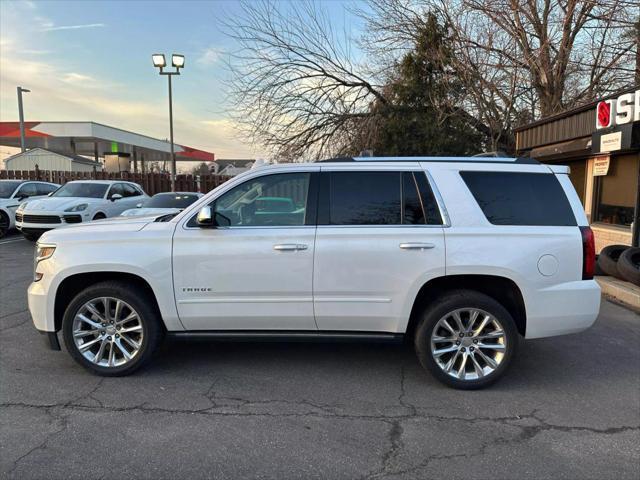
32,237
466,339
111,328
4,224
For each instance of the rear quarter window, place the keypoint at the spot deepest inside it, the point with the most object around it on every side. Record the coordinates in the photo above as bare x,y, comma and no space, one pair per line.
514,198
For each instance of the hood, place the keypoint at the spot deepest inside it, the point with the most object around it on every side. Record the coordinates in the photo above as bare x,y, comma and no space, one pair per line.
146,212
6,202
98,229
55,204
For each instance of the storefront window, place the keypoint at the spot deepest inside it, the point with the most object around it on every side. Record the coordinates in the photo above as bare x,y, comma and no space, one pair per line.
615,198
578,177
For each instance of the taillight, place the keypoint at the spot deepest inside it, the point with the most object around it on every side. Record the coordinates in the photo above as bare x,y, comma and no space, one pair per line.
588,253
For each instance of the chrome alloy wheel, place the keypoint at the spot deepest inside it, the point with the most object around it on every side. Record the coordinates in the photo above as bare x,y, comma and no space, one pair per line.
107,331
468,343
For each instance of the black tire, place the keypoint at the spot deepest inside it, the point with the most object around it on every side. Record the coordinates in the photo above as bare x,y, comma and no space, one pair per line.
448,303
597,270
4,224
143,305
608,259
99,216
629,265
32,237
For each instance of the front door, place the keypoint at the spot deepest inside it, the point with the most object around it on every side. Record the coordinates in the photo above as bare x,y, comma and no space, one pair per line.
380,238
253,270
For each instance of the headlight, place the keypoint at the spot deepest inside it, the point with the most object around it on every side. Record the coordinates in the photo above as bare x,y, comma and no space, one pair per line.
22,205
42,252
77,208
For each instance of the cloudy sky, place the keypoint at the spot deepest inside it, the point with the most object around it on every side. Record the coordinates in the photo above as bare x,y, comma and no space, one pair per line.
91,60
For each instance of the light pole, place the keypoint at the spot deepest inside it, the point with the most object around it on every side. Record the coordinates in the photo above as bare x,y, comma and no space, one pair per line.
178,62
21,114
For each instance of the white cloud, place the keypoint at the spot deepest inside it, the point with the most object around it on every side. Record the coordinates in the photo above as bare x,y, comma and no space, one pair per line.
73,77
209,56
51,28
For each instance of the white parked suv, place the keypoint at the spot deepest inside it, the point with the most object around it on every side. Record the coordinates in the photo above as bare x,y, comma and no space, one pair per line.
15,192
76,202
464,256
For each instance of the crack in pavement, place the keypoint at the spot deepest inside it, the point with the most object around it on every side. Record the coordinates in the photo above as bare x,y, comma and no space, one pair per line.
208,411
55,411
6,315
62,411
4,329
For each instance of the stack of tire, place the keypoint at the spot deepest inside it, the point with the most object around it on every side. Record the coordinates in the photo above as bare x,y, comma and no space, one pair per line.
620,261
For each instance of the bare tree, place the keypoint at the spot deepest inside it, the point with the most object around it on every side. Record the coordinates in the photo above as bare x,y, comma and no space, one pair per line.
520,59
299,89
295,84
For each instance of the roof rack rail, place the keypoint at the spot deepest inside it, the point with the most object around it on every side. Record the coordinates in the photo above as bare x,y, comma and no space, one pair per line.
497,153
473,159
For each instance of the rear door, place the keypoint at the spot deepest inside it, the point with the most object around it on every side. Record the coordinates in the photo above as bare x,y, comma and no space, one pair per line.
379,239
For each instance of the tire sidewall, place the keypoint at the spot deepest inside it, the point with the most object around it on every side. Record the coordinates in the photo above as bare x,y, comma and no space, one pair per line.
608,259
626,268
150,327
460,300
4,231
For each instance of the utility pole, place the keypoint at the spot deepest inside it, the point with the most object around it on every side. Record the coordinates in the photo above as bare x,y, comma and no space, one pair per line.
21,114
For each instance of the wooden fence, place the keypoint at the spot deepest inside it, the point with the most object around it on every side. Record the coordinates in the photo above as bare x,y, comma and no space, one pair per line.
151,183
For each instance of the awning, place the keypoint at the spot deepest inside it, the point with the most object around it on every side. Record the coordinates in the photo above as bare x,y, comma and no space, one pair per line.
89,138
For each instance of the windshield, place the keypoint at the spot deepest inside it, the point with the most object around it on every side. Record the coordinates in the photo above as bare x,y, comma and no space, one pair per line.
7,188
86,190
170,200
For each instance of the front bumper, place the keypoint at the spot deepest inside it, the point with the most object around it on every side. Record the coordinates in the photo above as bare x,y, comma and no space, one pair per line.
37,300
30,222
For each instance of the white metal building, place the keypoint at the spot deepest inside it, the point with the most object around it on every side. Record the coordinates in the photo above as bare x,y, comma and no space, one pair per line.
48,160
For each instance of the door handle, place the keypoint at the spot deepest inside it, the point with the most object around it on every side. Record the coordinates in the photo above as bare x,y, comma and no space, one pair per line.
288,247
416,246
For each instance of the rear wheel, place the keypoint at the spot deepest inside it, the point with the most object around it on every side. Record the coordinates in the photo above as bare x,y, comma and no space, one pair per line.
466,339
111,328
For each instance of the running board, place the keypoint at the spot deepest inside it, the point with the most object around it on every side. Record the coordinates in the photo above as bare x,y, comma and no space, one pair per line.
285,336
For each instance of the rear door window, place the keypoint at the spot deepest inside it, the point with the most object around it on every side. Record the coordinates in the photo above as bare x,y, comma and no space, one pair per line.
419,205
376,198
514,198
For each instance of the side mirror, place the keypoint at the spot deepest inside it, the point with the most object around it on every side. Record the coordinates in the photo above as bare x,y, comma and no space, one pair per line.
139,205
115,196
205,217
49,194
21,197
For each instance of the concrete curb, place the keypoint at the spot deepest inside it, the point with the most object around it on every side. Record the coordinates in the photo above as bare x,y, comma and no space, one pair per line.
623,292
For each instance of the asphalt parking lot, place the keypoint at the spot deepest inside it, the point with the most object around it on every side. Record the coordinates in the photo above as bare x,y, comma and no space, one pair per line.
569,408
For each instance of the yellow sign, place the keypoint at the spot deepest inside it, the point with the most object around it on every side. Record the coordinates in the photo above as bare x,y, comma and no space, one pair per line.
601,166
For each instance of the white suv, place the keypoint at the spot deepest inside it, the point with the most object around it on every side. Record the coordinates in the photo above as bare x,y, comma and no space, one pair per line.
461,255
